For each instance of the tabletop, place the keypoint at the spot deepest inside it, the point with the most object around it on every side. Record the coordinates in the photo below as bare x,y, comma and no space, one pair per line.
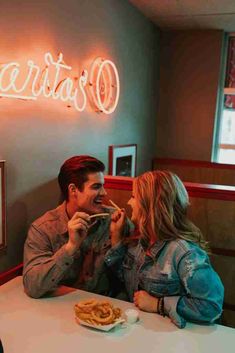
47,325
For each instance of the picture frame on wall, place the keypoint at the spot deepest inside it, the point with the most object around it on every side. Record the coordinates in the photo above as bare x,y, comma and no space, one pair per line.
2,206
122,160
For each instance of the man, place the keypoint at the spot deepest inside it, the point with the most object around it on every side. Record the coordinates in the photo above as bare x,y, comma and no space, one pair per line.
65,246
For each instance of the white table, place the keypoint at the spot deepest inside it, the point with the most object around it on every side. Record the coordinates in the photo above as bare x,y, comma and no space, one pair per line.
47,326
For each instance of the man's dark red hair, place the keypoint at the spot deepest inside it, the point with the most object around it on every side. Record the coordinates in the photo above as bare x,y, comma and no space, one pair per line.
75,170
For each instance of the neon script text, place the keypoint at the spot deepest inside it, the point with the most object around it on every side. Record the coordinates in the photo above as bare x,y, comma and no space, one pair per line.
101,86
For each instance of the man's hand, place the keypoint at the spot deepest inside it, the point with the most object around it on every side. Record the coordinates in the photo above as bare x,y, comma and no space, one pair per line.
77,229
145,301
117,224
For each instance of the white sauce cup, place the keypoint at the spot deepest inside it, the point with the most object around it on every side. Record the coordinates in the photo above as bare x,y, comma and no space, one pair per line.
132,316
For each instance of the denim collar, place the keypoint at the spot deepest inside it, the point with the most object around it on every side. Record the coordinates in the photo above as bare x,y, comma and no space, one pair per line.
154,250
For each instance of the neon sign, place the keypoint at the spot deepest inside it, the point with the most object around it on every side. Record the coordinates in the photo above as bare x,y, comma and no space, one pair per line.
101,86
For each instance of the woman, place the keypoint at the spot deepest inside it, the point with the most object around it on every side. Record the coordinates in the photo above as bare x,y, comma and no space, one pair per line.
1,347
167,270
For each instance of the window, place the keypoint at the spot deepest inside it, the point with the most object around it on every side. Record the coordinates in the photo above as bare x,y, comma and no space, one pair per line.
226,135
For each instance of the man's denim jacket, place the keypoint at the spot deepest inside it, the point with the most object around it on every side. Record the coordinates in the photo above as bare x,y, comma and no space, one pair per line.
177,270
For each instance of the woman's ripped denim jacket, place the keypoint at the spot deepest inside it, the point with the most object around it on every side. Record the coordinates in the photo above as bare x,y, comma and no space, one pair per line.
178,270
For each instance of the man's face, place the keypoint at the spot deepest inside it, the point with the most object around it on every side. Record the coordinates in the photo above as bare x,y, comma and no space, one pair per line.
90,199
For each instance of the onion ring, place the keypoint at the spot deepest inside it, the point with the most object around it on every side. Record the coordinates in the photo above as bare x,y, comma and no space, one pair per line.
87,305
97,312
103,320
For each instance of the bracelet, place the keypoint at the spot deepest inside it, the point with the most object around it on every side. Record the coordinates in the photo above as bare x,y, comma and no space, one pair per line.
160,306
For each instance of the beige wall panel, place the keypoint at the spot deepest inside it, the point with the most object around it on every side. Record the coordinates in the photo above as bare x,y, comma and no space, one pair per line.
216,219
228,318
225,267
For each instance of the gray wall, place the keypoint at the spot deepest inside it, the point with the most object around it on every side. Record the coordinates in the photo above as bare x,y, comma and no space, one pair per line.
36,137
189,80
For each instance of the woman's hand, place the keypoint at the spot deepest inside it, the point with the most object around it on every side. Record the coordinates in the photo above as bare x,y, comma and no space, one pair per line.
145,301
77,228
118,219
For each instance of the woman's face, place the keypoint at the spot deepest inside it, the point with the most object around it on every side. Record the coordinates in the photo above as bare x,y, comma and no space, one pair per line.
133,203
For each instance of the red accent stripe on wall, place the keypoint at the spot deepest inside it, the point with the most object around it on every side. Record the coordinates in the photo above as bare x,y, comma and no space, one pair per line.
211,191
120,183
12,273
208,191
193,163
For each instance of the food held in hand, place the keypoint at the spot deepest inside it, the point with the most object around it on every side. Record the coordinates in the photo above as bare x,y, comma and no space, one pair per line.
97,312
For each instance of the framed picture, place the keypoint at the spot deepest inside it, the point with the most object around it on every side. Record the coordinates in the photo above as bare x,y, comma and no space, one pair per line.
2,206
122,160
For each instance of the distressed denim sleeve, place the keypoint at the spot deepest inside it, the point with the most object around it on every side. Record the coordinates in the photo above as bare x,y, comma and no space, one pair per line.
114,258
203,301
42,269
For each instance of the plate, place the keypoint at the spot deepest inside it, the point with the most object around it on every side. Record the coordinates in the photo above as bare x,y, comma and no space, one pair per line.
100,327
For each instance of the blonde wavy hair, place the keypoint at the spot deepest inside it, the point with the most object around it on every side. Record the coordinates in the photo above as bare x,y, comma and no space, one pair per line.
162,202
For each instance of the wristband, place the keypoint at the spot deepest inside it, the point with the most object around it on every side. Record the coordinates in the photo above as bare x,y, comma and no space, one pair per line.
160,306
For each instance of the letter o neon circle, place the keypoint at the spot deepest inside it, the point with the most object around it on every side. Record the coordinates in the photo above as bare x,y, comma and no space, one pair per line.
107,109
